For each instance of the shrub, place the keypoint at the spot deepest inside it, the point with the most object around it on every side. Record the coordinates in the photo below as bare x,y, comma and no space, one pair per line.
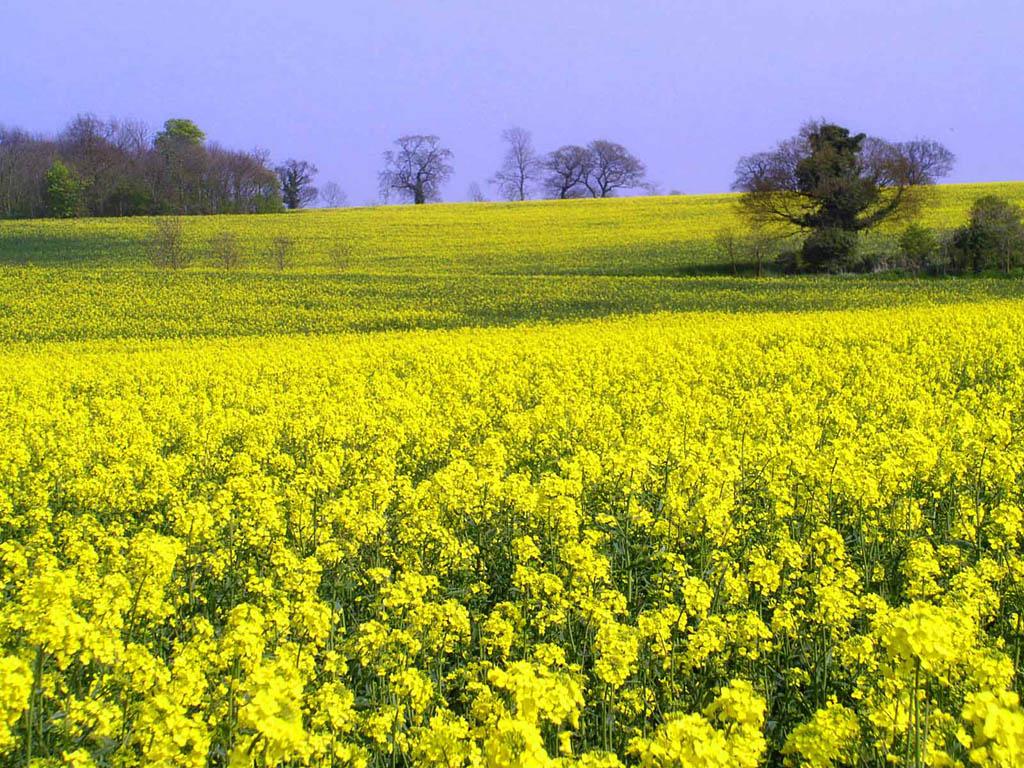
918,248
830,250
224,248
993,238
166,244
281,251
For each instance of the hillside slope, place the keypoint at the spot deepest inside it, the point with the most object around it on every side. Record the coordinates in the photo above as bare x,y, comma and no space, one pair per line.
640,235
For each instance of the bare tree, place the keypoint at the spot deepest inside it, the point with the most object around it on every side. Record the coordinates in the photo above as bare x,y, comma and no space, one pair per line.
567,169
475,194
761,246
417,169
224,247
914,163
297,188
281,252
167,248
612,167
333,196
87,145
521,168
24,160
728,243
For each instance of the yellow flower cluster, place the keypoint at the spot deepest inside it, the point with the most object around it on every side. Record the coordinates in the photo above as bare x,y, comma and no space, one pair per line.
15,689
697,540
728,734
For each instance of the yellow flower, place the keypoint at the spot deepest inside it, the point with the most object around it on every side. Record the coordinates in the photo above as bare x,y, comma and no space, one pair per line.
828,739
996,736
15,688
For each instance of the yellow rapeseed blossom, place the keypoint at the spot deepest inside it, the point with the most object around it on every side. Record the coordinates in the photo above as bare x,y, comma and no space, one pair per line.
15,688
720,538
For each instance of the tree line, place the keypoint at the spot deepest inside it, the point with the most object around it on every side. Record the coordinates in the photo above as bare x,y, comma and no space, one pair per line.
97,167
813,198
118,168
419,165
100,167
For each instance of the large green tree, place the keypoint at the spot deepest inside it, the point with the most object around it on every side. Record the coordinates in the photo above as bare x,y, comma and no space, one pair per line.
179,132
63,191
180,145
994,236
833,184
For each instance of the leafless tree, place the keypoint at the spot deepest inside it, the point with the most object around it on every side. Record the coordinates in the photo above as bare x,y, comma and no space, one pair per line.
566,171
761,246
521,168
130,136
24,160
417,169
727,243
910,163
333,196
167,246
281,252
87,145
475,194
742,245
612,167
224,247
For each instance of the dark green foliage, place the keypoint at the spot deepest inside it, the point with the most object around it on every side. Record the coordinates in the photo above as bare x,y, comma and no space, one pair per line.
829,249
833,175
993,238
919,248
836,184
63,192
296,178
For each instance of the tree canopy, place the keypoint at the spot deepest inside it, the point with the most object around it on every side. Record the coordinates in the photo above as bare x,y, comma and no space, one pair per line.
827,177
416,169
180,131
836,183
296,177
97,167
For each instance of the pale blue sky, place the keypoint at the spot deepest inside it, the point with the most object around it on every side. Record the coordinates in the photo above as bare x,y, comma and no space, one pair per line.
689,86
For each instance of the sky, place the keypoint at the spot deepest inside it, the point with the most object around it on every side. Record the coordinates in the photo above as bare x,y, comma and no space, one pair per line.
688,86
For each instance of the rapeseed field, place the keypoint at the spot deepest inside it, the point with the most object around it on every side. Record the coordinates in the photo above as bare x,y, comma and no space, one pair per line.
681,539
628,236
412,514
